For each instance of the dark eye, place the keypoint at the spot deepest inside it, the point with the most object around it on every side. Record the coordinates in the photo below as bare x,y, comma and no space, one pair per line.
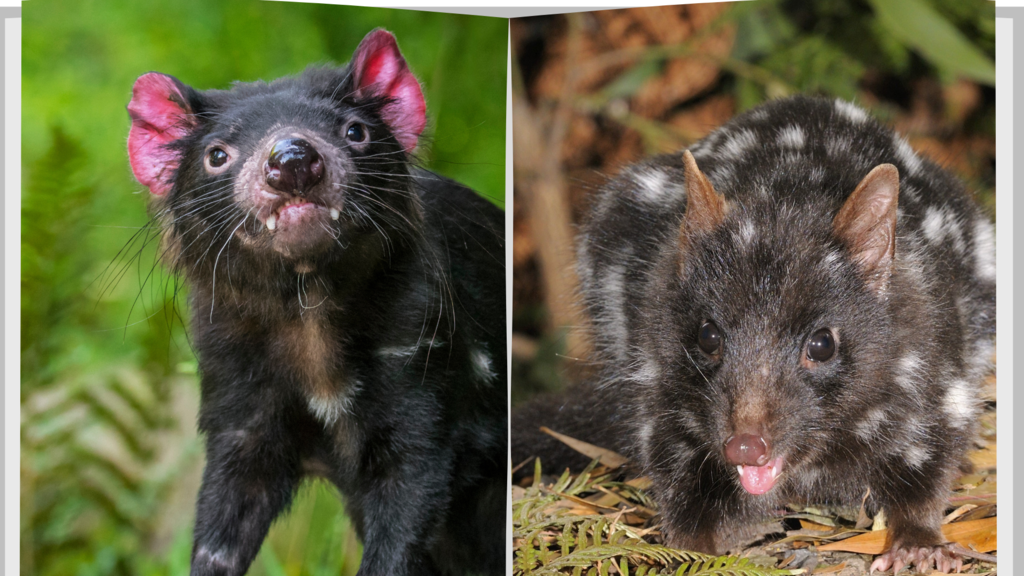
217,158
356,132
709,338
822,346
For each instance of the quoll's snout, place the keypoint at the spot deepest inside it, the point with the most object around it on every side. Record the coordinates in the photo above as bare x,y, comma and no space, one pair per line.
746,450
294,166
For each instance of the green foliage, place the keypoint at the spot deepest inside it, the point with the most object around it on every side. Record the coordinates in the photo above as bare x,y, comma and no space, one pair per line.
919,26
550,541
110,459
825,46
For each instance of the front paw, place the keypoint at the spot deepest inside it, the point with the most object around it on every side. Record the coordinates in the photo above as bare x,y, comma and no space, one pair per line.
923,558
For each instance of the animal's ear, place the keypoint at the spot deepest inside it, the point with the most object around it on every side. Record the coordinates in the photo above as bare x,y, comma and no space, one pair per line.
379,70
866,224
160,115
705,208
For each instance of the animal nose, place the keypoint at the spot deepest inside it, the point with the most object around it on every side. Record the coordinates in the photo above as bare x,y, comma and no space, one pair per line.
294,166
746,450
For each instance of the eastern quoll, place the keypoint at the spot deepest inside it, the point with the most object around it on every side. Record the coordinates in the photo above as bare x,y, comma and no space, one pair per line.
348,312
806,316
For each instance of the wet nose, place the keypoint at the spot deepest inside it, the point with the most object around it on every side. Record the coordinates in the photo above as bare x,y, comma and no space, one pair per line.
746,450
294,166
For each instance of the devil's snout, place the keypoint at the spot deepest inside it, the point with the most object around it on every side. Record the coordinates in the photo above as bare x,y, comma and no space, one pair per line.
294,166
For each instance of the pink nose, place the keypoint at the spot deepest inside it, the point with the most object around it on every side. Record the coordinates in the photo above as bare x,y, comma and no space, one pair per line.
746,450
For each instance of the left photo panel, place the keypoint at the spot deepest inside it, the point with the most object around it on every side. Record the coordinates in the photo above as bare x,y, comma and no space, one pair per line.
263,298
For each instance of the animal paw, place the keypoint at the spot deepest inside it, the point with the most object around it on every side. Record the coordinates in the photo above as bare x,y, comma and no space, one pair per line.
923,558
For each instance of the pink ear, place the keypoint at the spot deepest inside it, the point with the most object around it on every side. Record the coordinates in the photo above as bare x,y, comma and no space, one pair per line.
380,70
160,115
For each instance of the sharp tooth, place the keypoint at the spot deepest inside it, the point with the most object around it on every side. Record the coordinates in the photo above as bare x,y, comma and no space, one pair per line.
272,222
740,470
335,214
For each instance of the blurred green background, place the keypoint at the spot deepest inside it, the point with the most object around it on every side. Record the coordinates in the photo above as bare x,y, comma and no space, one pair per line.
110,458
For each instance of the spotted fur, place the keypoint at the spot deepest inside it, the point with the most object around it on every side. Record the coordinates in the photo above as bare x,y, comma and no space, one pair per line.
893,413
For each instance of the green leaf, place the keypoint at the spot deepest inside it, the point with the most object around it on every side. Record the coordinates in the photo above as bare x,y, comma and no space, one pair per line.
627,83
920,27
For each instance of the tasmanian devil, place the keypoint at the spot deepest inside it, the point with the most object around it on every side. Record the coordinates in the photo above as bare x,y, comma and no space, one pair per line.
348,311
806,316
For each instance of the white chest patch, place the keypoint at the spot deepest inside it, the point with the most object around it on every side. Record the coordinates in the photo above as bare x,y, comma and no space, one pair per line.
329,408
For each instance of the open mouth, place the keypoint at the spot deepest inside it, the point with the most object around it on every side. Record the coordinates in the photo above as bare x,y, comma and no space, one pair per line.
297,211
760,479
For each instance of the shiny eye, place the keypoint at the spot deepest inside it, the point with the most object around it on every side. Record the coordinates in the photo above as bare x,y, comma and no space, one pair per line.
356,132
217,158
821,346
709,338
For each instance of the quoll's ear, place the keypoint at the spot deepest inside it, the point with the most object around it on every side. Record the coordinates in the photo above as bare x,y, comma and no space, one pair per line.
866,224
160,115
705,208
379,69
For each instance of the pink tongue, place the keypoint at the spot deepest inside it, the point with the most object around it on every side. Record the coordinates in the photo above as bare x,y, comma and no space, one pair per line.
758,479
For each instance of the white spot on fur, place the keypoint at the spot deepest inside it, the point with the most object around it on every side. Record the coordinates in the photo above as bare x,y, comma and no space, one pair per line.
646,432
648,371
915,456
831,261
482,366
908,372
867,427
791,136
738,144
959,403
939,225
745,234
850,111
652,184
906,154
984,250
615,320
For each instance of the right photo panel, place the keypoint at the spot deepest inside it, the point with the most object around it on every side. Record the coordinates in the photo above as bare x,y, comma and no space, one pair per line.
753,323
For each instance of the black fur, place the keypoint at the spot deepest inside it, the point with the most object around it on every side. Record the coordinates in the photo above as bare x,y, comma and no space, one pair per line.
371,353
893,411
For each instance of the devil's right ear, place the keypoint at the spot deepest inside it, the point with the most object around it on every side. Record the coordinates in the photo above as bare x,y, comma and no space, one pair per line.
160,115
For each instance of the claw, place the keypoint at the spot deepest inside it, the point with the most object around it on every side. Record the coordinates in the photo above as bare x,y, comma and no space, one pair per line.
921,558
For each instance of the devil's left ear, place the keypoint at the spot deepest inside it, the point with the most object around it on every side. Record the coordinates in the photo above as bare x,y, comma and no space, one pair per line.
866,224
160,115
378,69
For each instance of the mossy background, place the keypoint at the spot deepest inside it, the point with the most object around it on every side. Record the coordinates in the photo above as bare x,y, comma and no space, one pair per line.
110,457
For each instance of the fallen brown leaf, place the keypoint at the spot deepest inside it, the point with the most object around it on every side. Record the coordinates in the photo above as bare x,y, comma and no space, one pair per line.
978,535
607,457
